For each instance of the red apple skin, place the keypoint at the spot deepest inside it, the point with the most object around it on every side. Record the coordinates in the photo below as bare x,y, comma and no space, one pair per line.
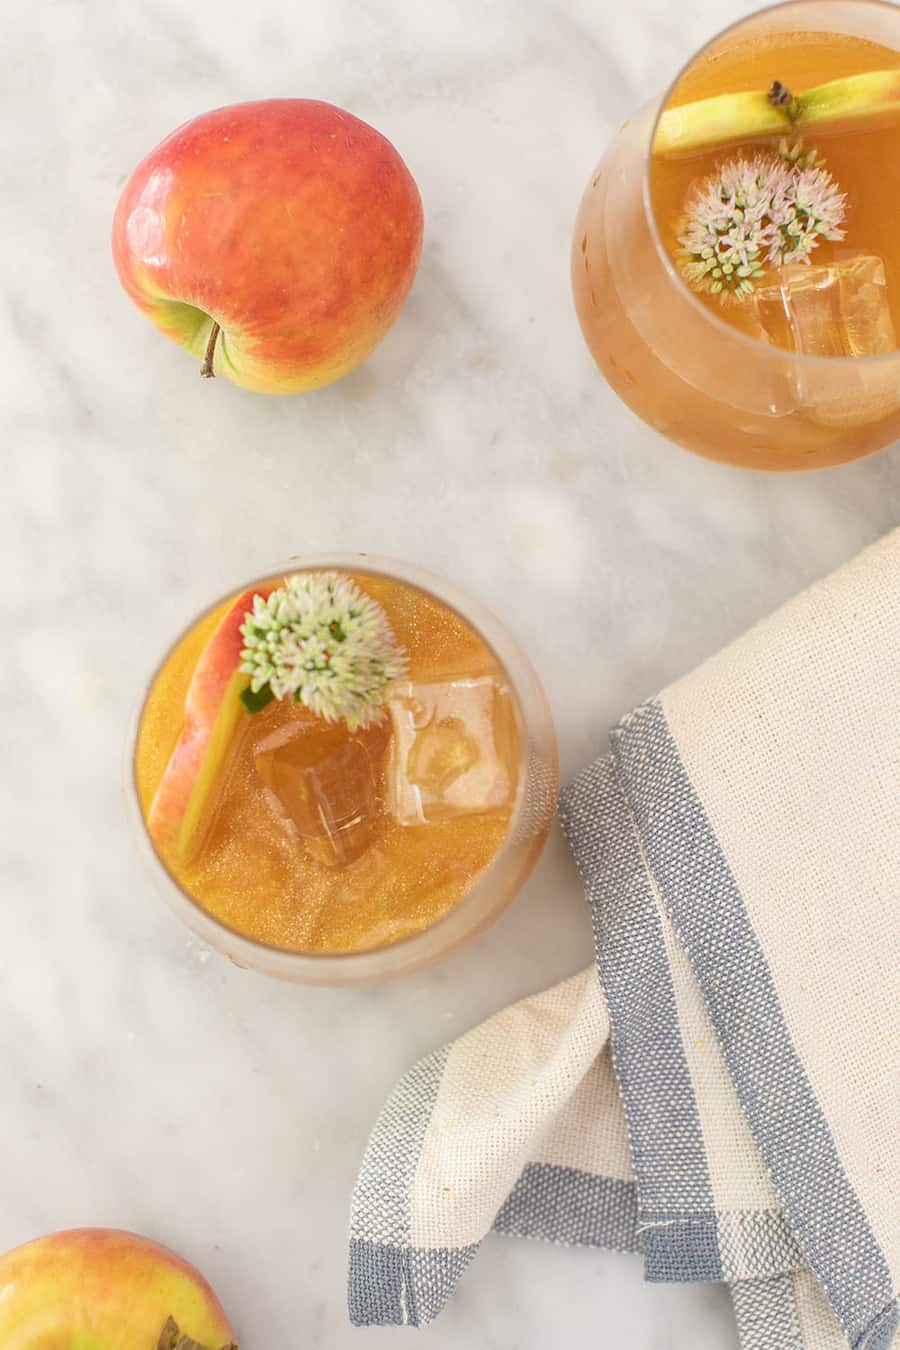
215,681
292,224
102,1289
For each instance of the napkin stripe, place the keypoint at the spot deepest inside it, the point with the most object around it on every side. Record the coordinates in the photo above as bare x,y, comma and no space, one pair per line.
677,1221
707,910
571,1208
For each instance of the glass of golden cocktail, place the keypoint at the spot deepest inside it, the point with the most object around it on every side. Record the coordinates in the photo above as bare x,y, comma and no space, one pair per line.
344,769
736,257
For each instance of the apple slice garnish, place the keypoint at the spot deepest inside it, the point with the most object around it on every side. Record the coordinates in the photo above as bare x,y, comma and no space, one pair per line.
729,117
212,711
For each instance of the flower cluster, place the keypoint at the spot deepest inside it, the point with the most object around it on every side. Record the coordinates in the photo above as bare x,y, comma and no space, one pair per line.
755,213
320,640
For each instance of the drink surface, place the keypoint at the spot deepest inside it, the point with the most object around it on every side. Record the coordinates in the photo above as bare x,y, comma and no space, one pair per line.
323,840
846,302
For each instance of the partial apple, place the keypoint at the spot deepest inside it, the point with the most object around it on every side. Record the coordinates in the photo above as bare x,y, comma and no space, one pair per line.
276,241
101,1289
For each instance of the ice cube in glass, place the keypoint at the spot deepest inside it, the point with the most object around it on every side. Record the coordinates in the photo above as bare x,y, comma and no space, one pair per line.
450,750
838,309
324,781
833,309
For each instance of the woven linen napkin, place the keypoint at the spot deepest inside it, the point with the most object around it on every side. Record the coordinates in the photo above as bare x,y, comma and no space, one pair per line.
725,1098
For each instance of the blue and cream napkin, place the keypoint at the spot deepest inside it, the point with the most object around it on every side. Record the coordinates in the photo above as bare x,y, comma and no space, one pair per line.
725,1098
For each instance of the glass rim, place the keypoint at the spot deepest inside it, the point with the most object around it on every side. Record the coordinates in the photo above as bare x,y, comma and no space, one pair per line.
744,340
472,913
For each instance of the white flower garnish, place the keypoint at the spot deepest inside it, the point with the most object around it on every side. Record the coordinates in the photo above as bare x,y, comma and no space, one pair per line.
320,640
752,213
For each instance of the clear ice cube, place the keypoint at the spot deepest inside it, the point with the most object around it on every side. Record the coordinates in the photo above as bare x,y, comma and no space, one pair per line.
451,750
836,309
324,782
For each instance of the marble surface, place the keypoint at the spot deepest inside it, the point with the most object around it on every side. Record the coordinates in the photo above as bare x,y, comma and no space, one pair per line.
146,1082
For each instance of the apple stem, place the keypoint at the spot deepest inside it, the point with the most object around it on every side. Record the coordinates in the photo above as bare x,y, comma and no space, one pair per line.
781,97
171,1338
206,370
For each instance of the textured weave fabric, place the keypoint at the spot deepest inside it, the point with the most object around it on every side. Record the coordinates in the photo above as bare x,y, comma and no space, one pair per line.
725,1098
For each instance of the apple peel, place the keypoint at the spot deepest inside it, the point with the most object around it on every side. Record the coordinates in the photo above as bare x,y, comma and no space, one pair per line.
212,713
729,117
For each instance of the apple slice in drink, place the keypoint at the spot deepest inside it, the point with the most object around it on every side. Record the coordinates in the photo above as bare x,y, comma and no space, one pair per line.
212,712
752,113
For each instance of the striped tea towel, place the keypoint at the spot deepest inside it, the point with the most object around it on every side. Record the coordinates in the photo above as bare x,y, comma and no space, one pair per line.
725,1099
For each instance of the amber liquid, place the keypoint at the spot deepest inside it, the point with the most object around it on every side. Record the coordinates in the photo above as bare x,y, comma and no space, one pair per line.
862,157
739,403
387,880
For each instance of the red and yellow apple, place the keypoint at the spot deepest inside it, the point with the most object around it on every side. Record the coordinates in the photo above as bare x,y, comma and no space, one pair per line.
101,1289
276,241
212,710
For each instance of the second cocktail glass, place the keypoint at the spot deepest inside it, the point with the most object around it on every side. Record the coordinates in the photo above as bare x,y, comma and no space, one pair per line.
804,372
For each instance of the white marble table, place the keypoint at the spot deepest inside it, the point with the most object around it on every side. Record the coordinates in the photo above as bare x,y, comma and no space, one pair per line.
145,1082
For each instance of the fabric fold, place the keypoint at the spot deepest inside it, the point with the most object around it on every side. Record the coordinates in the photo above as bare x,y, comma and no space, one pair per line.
722,1093
516,1126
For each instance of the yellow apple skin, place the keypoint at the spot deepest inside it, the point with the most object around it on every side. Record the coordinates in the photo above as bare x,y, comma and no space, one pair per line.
292,224
102,1289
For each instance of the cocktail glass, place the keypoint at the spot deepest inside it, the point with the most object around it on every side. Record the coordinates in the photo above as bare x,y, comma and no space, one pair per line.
531,809
687,372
